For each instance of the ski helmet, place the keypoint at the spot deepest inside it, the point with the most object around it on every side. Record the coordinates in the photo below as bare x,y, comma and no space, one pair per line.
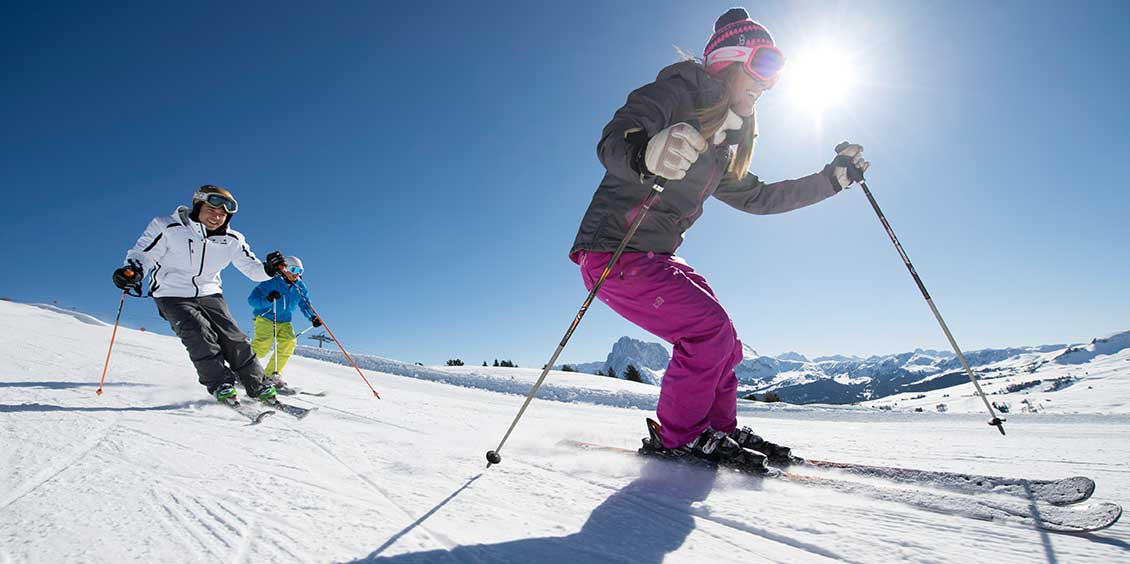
216,197
294,264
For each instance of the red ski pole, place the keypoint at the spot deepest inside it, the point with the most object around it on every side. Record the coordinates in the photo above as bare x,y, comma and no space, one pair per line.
113,336
291,279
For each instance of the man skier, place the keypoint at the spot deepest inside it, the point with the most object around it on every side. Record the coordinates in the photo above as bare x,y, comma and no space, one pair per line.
183,254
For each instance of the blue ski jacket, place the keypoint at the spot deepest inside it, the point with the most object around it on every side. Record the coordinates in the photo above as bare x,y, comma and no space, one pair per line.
291,297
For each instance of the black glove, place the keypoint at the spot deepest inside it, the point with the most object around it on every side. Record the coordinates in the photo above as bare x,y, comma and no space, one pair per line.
316,322
275,264
128,276
274,295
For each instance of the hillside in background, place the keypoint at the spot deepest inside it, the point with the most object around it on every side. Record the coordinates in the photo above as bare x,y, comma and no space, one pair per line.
1009,374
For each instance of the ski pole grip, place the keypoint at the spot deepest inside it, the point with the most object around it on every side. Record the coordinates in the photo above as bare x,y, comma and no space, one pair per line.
842,160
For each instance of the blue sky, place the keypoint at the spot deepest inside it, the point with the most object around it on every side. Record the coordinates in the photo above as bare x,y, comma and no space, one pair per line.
430,164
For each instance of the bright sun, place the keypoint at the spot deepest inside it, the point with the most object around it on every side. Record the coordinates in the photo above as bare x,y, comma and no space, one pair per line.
818,78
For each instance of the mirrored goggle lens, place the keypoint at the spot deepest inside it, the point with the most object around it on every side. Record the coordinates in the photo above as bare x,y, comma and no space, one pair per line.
218,201
296,270
766,63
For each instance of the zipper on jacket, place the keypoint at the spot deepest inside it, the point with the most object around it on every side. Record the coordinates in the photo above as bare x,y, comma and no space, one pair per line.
203,250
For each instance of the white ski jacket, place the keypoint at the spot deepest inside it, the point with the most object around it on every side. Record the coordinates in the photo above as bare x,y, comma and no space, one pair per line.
182,261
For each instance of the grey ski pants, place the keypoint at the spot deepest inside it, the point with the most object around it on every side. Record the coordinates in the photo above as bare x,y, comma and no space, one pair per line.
218,349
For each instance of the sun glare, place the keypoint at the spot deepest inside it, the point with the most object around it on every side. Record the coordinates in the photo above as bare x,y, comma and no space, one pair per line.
818,79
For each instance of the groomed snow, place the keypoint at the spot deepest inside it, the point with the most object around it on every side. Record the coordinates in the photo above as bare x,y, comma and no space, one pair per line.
154,471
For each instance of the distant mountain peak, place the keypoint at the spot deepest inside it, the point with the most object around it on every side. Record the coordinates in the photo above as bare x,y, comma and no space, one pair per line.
795,356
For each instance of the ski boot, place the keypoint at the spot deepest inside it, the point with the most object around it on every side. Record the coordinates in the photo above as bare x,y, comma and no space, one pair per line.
227,394
653,445
777,455
268,395
712,448
281,387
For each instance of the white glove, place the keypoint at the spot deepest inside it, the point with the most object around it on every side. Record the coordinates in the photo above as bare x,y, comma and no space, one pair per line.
733,121
851,154
672,151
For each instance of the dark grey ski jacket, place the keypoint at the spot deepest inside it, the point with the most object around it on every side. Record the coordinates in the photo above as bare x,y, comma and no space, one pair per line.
672,98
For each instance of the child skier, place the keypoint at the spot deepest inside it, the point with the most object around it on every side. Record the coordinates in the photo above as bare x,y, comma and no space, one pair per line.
274,301
183,255
695,126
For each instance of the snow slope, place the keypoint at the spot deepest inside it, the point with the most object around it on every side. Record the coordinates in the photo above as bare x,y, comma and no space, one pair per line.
153,471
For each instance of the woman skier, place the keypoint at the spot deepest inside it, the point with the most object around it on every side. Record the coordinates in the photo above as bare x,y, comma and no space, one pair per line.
695,128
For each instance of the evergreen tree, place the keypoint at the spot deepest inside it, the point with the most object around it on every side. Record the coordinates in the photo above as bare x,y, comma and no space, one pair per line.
771,397
633,374
496,363
568,368
484,363
612,372
455,362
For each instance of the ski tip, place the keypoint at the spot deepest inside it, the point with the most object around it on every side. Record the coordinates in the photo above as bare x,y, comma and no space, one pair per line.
259,418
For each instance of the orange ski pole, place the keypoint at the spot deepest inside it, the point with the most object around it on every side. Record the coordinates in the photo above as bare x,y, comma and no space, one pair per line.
112,337
291,279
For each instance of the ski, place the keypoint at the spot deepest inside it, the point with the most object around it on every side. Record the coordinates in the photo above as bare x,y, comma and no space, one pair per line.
293,410
1041,515
321,394
252,413
1065,491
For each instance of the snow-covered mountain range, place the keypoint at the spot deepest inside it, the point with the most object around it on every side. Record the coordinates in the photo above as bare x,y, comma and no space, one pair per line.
842,379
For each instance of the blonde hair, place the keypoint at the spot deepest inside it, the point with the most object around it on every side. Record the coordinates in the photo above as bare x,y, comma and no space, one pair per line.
711,118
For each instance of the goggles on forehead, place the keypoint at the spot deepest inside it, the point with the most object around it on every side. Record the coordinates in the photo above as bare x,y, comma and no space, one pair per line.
763,62
216,201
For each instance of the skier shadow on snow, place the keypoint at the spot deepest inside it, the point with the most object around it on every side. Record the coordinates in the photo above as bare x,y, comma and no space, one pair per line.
70,385
43,407
641,523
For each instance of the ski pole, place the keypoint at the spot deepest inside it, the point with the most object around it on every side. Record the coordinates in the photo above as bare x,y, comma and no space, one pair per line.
275,333
856,175
493,456
291,279
114,334
303,332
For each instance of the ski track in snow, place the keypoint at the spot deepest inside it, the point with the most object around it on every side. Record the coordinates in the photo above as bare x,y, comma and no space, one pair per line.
54,469
443,540
153,470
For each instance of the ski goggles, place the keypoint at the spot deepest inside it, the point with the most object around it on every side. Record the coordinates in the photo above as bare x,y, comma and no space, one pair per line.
295,270
217,201
763,62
